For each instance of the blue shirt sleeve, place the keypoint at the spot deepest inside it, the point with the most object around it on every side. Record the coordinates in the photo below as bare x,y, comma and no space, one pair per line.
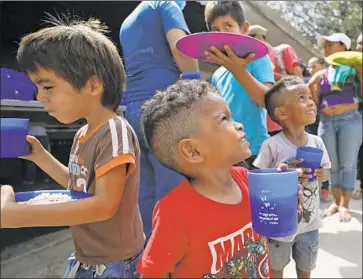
261,69
171,16
213,80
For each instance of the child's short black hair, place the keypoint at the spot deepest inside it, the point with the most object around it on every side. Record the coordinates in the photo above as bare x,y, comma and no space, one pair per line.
304,69
76,50
274,98
171,116
215,9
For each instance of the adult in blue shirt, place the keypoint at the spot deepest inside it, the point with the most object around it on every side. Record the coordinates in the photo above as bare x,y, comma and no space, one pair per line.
242,82
148,38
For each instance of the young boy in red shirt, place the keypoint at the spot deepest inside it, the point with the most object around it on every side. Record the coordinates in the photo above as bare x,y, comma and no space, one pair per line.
202,228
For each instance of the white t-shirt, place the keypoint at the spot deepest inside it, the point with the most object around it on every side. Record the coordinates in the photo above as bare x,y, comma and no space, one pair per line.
279,149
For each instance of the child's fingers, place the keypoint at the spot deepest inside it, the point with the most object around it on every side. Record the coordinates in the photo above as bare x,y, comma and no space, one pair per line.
250,57
282,167
297,162
230,52
217,52
7,192
30,138
300,198
306,176
211,56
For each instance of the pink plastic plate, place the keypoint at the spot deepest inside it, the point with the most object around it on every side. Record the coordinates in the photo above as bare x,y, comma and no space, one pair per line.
195,45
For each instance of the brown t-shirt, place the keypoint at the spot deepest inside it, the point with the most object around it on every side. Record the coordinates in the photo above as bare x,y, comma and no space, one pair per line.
93,154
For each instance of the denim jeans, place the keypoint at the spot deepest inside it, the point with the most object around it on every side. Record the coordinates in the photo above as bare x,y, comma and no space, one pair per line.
155,179
342,136
122,269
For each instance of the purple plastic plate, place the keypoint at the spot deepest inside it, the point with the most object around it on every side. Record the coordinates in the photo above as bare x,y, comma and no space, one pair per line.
16,86
195,45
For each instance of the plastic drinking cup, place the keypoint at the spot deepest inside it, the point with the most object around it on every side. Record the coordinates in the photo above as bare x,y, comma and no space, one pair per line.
312,158
13,137
274,201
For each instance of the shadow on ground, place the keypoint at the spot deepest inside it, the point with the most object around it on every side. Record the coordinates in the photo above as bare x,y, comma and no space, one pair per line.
345,245
351,272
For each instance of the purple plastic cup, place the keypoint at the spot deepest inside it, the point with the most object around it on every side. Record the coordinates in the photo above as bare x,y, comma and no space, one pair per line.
195,45
274,201
13,137
312,158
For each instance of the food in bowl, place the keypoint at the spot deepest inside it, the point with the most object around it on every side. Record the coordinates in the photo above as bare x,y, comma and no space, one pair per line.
48,198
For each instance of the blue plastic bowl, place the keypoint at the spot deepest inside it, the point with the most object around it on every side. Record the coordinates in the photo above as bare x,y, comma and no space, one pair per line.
25,196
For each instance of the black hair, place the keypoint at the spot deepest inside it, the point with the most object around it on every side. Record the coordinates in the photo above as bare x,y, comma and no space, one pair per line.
215,9
76,50
304,69
171,116
274,98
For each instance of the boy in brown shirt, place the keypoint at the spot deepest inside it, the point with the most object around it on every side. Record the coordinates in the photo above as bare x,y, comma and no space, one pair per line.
79,74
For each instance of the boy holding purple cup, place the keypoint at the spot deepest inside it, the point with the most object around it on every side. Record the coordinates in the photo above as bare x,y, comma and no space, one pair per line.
289,103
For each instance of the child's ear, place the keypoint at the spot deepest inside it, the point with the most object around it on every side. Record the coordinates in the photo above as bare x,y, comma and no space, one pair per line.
94,86
280,113
188,151
244,28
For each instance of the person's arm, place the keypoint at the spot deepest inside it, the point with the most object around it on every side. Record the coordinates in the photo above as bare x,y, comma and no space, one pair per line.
168,242
102,206
55,169
325,162
296,71
255,88
314,87
324,175
278,76
47,162
175,28
359,69
184,63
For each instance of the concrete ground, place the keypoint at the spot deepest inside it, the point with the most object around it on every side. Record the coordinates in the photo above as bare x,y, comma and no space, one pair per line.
340,254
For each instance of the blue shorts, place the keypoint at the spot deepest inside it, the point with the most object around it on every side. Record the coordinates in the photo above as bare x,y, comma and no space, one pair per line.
304,250
122,269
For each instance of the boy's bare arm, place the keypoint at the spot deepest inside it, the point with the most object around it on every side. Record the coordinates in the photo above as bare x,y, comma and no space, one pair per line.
323,175
255,89
55,169
359,69
314,87
184,63
47,162
102,206
296,71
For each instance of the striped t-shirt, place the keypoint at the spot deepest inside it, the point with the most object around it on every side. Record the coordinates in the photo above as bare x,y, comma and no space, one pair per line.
93,154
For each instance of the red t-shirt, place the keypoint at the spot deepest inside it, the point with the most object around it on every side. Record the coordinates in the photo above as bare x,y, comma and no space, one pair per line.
284,58
272,126
195,237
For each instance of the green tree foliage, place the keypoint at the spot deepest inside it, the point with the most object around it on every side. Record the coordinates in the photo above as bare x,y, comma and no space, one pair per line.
315,18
